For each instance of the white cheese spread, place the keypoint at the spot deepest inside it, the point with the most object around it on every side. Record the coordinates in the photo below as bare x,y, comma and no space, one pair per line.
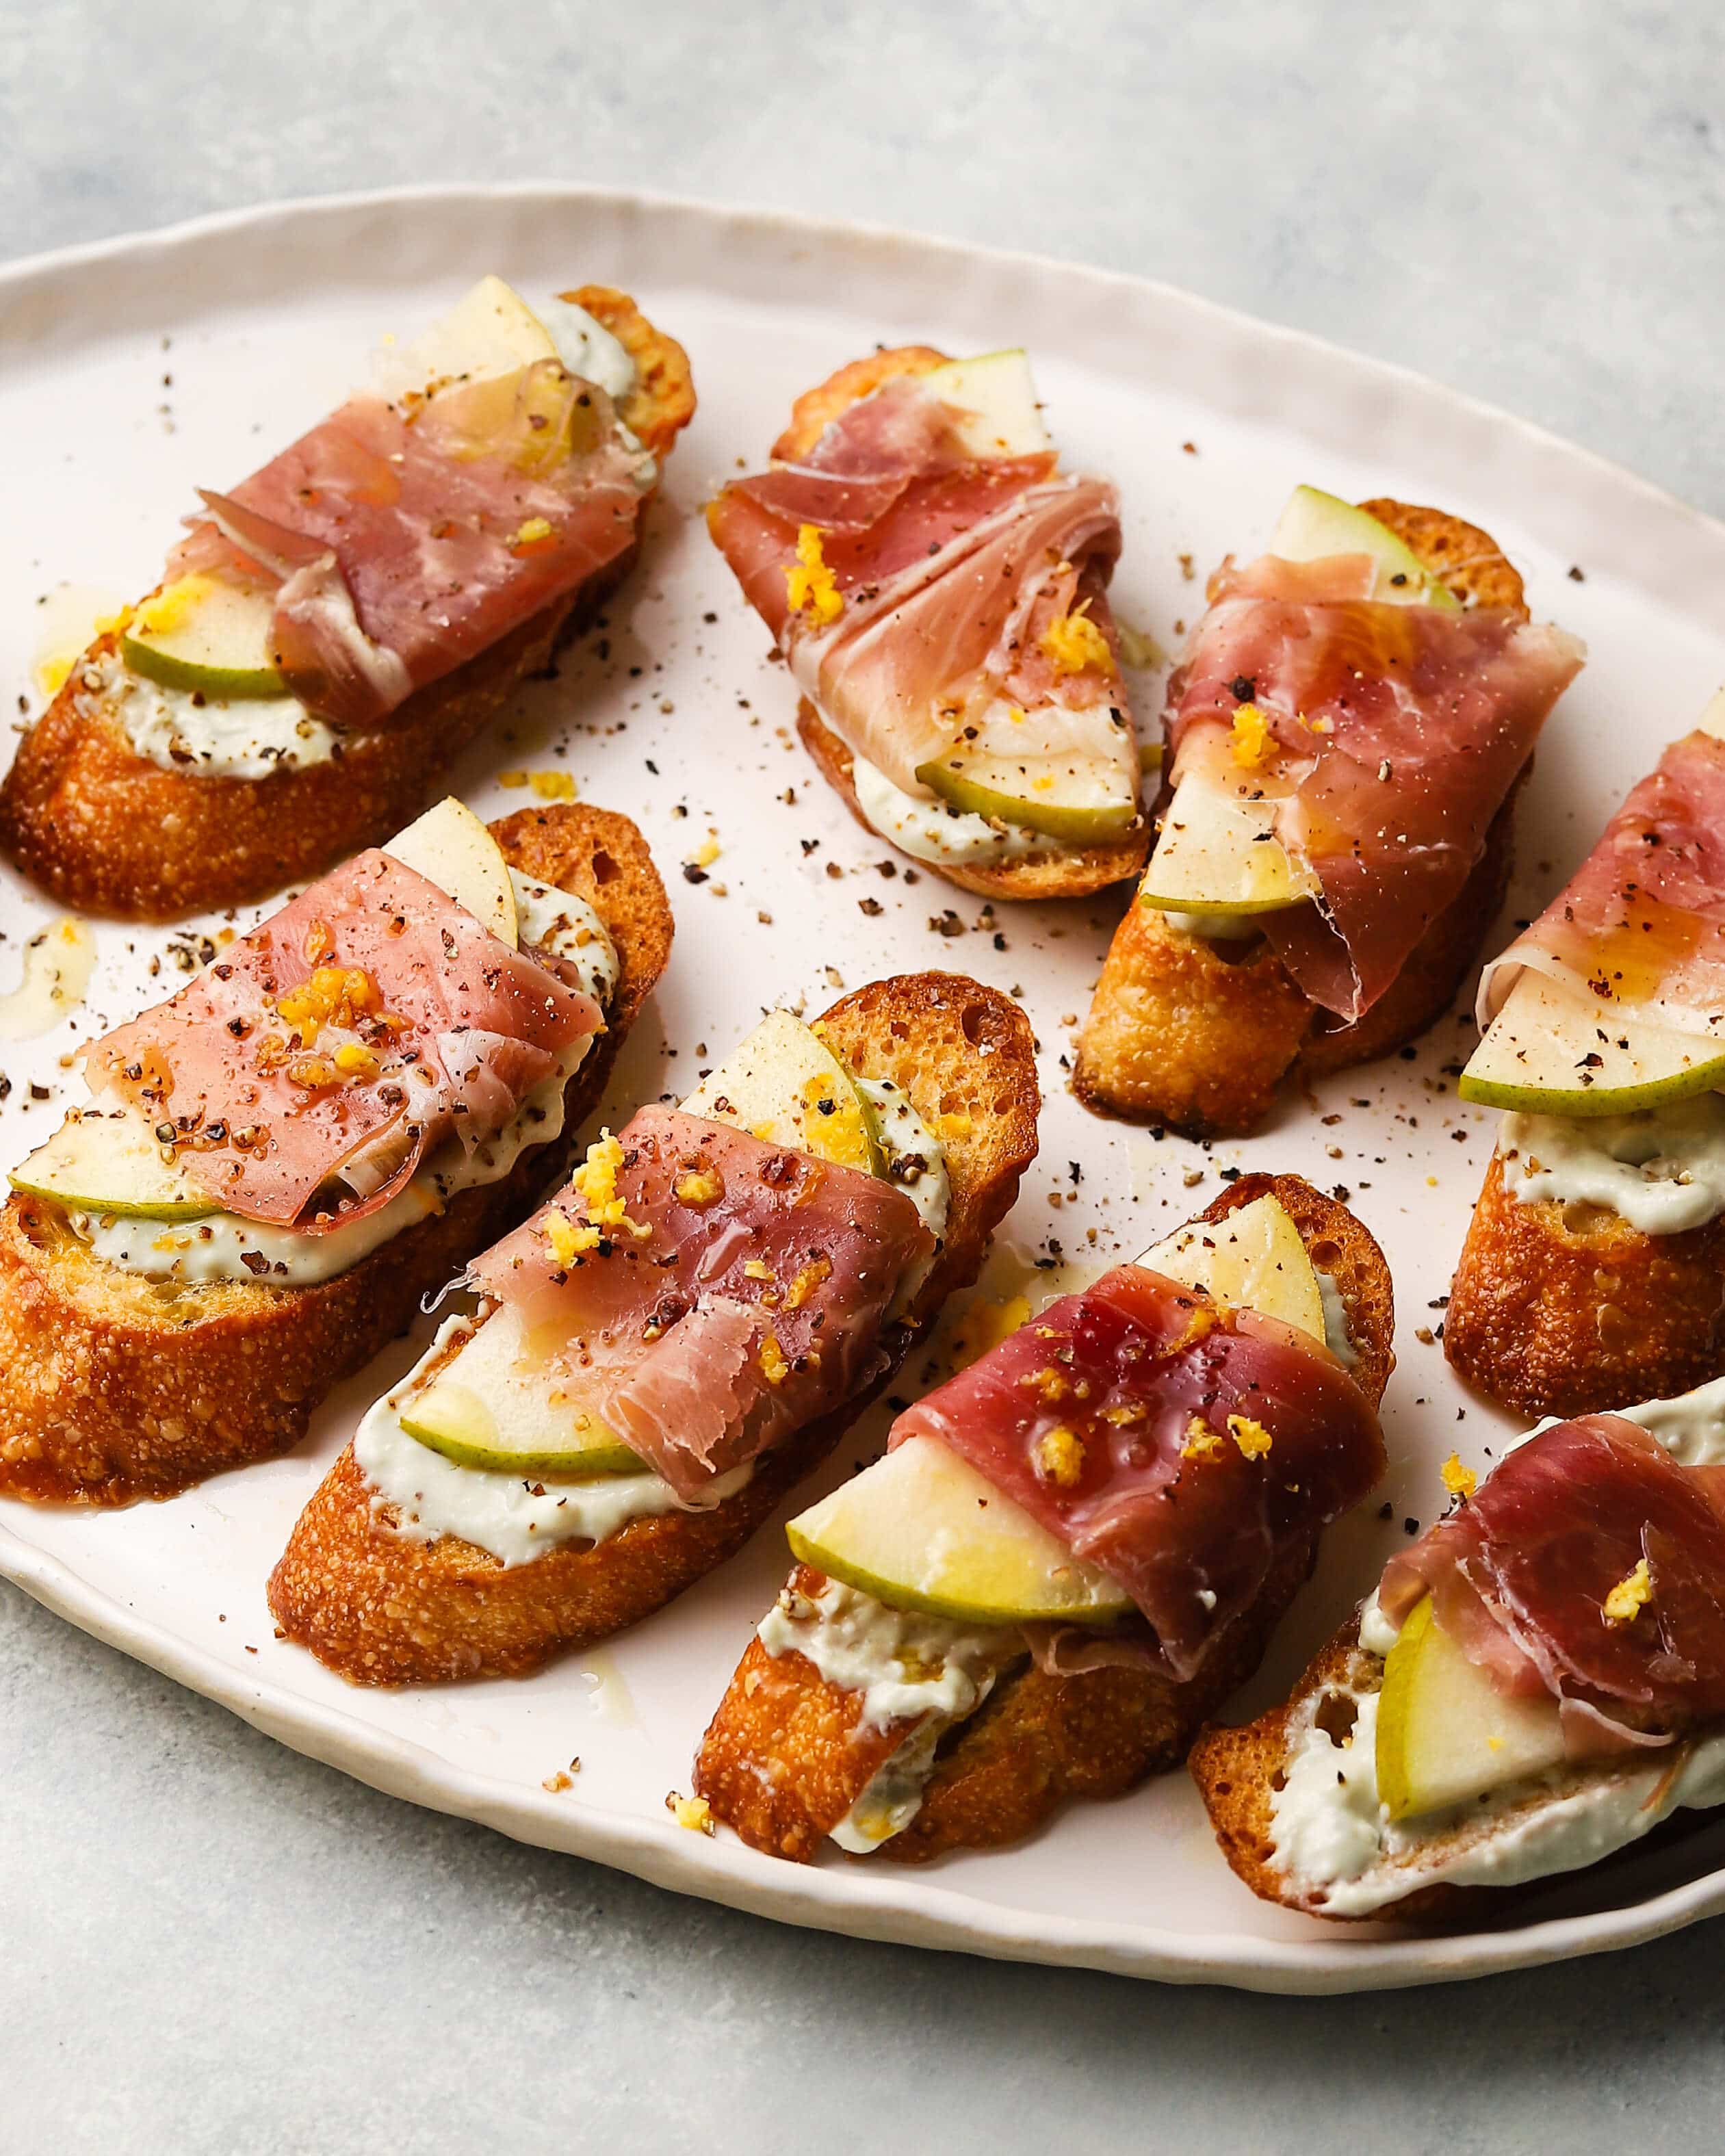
906,1665
915,1163
1660,1169
1331,1834
1336,1336
515,1518
208,737
588,348
222,1246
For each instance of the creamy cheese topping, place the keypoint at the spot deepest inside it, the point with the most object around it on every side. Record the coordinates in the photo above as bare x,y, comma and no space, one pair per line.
906,1664
1660,1169
893,1795
1330,1832
933,831
209,737
588,348
915,1163
223,1246
423,1497
1336,1336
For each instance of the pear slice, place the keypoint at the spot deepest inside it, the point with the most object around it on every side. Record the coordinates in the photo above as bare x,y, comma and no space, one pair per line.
1315,524
490,329
1445,1734
1252,1258
997,398
202,634
450,847
97,1162
785,1085
1082,800
1554,1050
1217,853
494,1404
922,1530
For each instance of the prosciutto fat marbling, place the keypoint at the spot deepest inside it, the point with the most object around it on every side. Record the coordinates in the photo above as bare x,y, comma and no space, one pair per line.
1642,920
1179,1446
1523,1575
1395,734
402,540
704,1293
946,571
345,1038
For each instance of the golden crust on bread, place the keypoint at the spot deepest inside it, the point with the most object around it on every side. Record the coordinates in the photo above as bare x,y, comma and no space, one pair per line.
661,400
109,831
381,1608
1201,1035
114,1387
783,1759
1567,1309
1071,872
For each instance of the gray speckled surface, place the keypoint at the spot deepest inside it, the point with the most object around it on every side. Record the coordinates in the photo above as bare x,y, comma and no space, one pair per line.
207,1945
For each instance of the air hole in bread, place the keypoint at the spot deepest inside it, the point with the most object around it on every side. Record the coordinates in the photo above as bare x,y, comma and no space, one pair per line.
1618,1333
1337,1713
604,869
1581,1219
1325,1255
975,1023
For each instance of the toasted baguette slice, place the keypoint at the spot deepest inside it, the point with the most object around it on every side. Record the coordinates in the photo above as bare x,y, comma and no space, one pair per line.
784,1759
108,831
1238,1771
114,1388
380,1608
1565,1310
1068,873
1200,1035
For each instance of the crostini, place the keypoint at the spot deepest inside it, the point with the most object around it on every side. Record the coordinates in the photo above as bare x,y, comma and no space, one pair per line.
328,634
1346,731
1594,1270
671,1343
277,1164
1072,1552
1537,1681
938,589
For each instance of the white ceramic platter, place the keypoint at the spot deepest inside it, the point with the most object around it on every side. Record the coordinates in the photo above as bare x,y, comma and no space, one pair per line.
129,372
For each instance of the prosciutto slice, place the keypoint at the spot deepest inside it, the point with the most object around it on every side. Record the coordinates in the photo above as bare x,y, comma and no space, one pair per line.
949,568
1642,920
1180,1447
740,1292
345,1038
1521,1575
1397,732
401,541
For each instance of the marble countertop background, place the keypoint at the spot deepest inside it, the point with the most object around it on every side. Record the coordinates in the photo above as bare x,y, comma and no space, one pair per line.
207,1945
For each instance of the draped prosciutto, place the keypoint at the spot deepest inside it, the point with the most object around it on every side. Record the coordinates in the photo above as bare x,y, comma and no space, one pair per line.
1395,734
400,540
344,1039
703,1294
947,570
1180,1446
1642,920
1527,1576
